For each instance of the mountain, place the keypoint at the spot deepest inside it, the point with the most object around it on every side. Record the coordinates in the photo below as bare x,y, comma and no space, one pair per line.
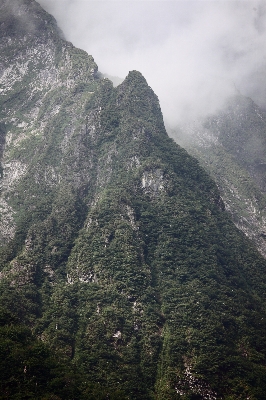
122,275
231,146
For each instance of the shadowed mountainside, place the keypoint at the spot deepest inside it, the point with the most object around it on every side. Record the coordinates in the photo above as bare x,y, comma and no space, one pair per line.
231,146
117,254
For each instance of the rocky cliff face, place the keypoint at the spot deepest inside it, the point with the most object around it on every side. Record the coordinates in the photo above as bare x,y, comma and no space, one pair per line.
42,82
231,147
116,249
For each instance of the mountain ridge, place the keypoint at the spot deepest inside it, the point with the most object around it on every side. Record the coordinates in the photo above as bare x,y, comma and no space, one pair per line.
230,145
122,261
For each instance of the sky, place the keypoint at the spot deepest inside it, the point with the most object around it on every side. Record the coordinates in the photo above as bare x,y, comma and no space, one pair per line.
193,53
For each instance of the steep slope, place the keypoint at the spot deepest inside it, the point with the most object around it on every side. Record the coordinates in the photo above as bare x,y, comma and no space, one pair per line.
43,79
231,146
118,253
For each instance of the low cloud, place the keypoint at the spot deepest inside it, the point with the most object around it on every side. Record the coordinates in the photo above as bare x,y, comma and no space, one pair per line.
194,54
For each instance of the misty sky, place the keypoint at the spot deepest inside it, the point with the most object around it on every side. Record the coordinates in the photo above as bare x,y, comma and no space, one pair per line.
192,53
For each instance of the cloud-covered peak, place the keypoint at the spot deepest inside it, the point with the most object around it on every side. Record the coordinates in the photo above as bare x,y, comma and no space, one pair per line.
193,53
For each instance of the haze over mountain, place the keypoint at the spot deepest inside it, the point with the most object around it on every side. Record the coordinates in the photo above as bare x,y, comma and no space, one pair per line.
121,274
196,55
193,53
231,146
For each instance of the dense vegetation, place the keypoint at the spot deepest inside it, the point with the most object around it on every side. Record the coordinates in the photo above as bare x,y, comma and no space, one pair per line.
125,277
231,146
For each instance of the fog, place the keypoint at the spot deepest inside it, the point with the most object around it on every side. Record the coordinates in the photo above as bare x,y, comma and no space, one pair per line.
194,54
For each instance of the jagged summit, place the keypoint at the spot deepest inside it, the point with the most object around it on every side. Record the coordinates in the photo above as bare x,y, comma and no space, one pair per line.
121,274
136,90
135,77
25,17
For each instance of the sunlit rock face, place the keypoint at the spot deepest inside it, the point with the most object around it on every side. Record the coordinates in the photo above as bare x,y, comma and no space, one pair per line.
116,250
39,73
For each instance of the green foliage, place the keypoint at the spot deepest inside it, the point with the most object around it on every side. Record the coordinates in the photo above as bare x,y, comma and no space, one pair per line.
125,278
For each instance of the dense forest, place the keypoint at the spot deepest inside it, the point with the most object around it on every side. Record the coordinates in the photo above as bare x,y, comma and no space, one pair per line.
122,274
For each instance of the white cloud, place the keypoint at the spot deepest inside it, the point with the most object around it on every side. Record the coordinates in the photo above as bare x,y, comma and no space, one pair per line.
192,53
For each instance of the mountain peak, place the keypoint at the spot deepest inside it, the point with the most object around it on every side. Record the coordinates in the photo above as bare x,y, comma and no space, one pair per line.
116,251
135,76
137,97
26,17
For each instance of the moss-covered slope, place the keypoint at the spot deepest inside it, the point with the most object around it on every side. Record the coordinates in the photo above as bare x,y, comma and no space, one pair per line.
117,254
